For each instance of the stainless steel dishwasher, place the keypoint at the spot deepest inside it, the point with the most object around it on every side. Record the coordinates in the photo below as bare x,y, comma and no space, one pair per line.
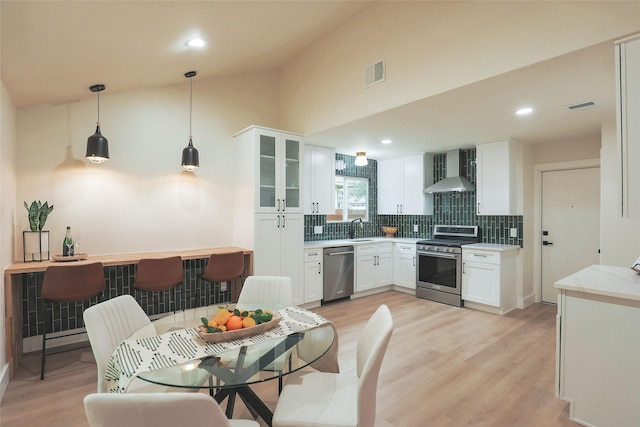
337,273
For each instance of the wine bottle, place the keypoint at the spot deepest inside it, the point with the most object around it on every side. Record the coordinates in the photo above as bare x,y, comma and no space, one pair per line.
67,243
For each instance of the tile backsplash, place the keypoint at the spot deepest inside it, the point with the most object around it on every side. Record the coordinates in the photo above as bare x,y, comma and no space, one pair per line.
449,209
67,316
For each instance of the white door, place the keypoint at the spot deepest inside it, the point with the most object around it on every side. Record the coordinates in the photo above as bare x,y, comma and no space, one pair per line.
413,177
389,186
266,255
570,225
291,253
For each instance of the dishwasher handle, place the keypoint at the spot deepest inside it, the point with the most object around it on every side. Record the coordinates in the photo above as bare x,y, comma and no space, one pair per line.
340,253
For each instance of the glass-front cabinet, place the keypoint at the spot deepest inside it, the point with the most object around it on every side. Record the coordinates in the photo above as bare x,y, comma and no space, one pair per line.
278,174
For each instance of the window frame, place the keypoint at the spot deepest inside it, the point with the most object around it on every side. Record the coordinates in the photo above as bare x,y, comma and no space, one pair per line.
345,196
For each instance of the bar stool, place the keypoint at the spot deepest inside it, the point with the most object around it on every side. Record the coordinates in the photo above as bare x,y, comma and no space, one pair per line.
223,267
69,284
159,274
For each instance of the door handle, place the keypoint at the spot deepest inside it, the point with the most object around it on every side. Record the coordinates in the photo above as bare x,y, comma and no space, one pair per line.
283,223
284,205
319,268
545,243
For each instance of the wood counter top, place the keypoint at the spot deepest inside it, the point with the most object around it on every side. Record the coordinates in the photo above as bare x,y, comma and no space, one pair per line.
121,259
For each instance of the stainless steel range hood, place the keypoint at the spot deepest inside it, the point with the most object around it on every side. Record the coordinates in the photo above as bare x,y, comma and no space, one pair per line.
453,182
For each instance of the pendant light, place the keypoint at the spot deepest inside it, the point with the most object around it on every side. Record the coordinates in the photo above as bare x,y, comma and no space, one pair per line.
97,145
361,159
190,159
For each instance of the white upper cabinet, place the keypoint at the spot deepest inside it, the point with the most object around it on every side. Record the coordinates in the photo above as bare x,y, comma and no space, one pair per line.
400,185
499,178
628,112
278,157
319,180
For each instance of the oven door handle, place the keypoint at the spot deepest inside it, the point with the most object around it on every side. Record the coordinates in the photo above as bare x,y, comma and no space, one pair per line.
440,255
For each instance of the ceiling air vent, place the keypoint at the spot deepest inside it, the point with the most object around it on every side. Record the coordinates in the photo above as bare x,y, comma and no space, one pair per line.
581,105
374,74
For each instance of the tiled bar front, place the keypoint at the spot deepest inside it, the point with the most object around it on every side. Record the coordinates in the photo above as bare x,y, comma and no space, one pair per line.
66,316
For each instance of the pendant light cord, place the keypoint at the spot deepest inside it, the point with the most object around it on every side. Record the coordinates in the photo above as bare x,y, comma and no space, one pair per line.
190,105
98,122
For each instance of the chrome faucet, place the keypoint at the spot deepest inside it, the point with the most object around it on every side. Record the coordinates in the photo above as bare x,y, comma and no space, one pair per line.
352,230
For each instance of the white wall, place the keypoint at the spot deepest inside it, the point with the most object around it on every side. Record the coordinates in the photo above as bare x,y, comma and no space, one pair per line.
433,47
7,210
564,151
140,200
620,237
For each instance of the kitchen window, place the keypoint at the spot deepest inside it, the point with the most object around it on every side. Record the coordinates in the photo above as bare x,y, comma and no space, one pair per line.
352,199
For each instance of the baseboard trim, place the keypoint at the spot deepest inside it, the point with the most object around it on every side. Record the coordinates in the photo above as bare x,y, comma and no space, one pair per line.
4,380
526,301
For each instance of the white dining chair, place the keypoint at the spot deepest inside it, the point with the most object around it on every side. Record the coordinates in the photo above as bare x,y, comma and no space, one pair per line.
157,410
266,290
111,322
258,290
339,399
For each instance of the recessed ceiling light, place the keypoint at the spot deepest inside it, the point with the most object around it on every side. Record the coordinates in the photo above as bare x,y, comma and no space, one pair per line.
197,42
524,111
386,141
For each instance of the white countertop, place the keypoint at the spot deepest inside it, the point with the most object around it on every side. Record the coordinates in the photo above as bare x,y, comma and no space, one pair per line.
492,247
357,241
618,282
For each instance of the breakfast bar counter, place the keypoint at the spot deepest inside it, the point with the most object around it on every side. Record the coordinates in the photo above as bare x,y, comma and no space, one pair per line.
119,271
597,346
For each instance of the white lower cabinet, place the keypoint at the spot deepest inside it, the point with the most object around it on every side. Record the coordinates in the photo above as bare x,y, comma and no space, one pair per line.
279,249
374,266
312,275
489,277
404,265
597,347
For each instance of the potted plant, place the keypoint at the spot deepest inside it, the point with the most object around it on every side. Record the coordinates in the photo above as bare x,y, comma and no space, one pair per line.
36,242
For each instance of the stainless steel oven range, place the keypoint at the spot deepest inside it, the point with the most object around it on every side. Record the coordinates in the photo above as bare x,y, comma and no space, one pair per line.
439,266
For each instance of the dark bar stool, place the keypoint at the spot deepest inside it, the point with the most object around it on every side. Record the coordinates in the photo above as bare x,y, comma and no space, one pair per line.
223,267
159,274
69,284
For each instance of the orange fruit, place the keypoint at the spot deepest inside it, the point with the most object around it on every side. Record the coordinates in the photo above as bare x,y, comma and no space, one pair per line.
213,323
248,322
223,328
222,316
234,322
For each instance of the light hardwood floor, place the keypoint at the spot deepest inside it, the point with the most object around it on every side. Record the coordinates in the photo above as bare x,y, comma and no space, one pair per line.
445,366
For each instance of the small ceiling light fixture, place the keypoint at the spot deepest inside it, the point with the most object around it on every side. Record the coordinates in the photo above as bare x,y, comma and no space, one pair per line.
190,160
195,42
97,145
524,111
361,159
386,141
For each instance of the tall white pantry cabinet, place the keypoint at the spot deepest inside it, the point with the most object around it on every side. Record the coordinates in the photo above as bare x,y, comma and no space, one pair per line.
268,203
628,111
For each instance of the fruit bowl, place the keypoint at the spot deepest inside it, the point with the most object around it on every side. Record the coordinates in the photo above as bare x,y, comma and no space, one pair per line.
215,337
390,231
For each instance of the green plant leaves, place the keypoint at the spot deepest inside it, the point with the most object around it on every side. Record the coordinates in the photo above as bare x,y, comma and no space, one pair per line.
38,213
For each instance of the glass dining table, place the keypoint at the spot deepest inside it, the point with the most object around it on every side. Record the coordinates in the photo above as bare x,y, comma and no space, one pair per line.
228,373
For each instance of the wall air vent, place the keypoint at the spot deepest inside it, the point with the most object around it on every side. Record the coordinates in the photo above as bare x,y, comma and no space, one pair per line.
581,105
374,74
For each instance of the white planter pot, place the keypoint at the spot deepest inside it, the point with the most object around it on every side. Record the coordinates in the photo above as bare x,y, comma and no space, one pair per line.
35,245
